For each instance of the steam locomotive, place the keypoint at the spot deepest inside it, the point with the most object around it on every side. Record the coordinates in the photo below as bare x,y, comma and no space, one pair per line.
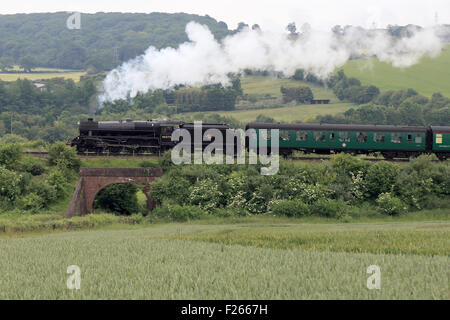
154,136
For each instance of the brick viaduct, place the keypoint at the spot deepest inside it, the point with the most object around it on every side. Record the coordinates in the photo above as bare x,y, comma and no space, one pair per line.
92,180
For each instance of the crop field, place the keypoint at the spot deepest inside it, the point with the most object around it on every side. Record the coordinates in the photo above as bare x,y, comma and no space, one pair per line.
44,73
426,77
260,259
287,114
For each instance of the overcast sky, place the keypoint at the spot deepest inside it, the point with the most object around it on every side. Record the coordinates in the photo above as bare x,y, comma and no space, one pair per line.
268,13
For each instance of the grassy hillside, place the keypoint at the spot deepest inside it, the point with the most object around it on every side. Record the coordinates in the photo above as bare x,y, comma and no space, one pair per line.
260,260
426,77
260,86
301,113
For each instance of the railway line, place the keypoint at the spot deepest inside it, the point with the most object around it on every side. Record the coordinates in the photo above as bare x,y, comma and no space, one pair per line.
42,154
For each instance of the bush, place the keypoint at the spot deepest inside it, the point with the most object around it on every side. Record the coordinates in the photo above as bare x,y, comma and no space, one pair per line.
330,208
291,208
10,186
10,155
32,202
43,189
178,213
390,205
381,177
346,164
58,180
33,166
63,156
165,188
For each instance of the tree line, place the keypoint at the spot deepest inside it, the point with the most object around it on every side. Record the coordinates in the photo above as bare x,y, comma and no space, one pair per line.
104,40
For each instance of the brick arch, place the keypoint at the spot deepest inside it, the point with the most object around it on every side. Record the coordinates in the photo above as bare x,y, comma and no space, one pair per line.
92,180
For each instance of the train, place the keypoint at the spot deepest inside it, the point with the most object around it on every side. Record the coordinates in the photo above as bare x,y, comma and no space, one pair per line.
154,136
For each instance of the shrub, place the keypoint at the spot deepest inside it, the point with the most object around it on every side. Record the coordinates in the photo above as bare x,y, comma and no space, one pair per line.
32,202
178,213
390,205
173,189
346,163
63,156
10,187
43,189
33,166
10,155
58,180
330,208
206,194
291,208
381,177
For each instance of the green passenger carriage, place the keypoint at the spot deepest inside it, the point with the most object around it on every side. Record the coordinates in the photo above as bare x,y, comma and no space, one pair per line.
391,141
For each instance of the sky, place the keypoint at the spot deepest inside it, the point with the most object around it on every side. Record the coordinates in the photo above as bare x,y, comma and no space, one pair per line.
273,14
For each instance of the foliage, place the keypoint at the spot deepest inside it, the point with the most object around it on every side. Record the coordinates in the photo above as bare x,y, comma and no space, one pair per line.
390,205
33,166
381,177
10,155
178,213
300,94
9,184
118,198
63,156
291,208
41,39
330,208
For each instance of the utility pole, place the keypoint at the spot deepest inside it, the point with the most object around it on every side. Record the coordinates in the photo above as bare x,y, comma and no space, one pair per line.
11,122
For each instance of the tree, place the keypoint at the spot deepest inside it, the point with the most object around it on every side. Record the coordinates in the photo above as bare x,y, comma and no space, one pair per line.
27,63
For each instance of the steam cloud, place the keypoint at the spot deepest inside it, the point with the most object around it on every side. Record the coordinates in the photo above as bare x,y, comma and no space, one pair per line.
203,60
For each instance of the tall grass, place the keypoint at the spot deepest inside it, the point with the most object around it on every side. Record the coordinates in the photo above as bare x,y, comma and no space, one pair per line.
133,264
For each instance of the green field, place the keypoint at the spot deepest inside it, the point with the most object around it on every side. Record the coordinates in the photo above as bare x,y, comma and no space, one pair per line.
262,259
260,86
426,77
301,113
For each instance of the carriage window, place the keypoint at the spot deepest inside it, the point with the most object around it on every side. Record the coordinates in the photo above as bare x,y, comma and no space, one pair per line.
439,138
418,138
344,136
332,136
361,137
409,137
396,137
378,137
284,135
319,136
301,136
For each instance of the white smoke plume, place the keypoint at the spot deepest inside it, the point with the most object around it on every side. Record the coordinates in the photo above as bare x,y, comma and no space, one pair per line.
204,60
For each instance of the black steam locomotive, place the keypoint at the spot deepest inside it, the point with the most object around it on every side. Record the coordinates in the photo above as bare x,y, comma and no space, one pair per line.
132,137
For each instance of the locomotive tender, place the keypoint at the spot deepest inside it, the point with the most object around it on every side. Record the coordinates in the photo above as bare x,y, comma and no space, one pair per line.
154,136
